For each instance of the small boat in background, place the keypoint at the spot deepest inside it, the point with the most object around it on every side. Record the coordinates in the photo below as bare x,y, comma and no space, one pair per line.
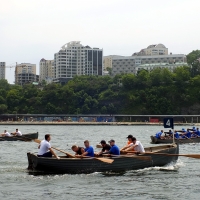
155,140
24,137
120,164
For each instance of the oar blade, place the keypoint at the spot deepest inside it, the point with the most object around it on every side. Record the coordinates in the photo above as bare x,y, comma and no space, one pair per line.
106,160
37,141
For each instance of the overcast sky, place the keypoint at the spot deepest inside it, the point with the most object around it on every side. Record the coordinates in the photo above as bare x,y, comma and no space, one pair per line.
35,29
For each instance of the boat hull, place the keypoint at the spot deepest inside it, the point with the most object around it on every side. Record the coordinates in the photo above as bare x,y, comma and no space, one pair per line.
90,165
24,137
155,140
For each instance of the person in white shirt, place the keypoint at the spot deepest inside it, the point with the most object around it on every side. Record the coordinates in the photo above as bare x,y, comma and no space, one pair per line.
17,133
135,146
45,148
6,133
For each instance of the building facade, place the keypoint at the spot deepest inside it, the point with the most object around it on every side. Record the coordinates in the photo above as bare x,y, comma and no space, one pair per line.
47,71
107,61
75,59
132,64
25,73
152,50
2,70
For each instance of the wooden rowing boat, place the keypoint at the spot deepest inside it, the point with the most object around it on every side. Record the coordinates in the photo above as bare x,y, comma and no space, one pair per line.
89,165
24,137
155,140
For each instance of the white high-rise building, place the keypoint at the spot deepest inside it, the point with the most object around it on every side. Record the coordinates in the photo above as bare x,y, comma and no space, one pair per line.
75,59
46,70
2,70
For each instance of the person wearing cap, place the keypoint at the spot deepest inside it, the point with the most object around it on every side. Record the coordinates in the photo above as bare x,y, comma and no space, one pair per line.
129,139
106,147
136,146
196,133
78,150
187,134
114,148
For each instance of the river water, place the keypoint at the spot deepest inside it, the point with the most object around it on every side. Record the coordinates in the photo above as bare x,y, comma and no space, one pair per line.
175,181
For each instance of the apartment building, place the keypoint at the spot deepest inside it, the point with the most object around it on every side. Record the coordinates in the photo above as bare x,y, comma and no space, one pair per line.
2,70
131,64
47,71
75,59
25,73
152,50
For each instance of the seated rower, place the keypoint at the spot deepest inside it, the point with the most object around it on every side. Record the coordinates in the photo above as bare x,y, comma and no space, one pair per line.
176,135
45,148
158,135
17,133
187,134
106,147
197,132
89,151
129,139
78,150
114,149
136,146
6,133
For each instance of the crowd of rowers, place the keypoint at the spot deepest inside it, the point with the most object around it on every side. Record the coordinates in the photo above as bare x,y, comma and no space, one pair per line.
110,149
182,134
7,134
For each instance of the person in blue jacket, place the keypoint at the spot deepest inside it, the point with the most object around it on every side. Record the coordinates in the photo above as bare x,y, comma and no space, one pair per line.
187,134
176,135
114,148
89,151
158,134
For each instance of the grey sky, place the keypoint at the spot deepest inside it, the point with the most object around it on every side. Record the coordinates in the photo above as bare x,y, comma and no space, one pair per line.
35,29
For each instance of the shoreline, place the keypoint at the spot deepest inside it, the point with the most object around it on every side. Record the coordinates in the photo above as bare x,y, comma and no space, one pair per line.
96,123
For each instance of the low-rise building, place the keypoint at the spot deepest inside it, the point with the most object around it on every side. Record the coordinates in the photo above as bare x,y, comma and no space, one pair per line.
131,64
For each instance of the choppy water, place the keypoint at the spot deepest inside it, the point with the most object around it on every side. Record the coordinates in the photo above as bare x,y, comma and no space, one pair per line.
175,181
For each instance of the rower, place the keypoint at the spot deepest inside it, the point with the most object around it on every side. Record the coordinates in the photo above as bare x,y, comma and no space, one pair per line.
187,134
6,133
17,133
197,132
114,148
89,151
176,135
106,147
78,150
158,135
129,139
136,146
45,148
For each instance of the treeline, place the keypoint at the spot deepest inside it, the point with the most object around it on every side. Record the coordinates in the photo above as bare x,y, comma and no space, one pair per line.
157,92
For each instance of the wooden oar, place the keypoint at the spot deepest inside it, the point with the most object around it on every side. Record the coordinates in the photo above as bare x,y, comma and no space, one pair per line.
197,156
134,156
68,154
106,160
188,138
99,146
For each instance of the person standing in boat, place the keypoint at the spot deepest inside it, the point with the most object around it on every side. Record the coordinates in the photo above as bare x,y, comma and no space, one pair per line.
78,150
17,132
136,146
6,133
106,147
114,150
45,148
